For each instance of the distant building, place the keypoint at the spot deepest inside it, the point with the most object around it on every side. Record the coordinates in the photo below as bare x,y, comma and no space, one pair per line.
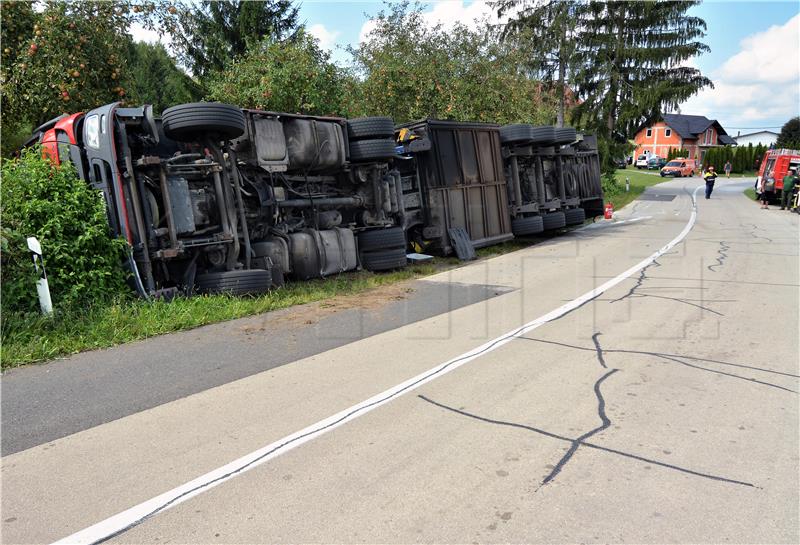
695,133
765,138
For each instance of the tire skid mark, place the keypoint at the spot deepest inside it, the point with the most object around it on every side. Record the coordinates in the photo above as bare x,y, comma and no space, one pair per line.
606,423
599,350
722,255
753,228
632,291
678,357
587,444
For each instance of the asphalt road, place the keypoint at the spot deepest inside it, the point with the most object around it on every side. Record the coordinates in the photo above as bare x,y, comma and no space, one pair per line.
662,410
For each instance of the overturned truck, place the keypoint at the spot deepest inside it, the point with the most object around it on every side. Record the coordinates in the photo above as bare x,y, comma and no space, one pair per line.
212,198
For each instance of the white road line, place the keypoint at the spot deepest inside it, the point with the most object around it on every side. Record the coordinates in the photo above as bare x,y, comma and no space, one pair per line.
614,223
129,518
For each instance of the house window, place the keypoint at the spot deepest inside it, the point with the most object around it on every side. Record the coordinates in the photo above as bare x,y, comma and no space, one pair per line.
649,133
668,133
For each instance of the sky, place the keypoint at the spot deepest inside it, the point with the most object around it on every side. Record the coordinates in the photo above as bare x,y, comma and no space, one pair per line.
754,60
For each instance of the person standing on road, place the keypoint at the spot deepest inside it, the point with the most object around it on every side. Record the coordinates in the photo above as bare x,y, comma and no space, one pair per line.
728,169
762,193
709,177
789,181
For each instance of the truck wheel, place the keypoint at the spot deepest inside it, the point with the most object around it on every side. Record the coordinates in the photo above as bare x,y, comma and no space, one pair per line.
516,134
554,220
370,150
575,216
384,260
363,128
187,122
248,282
378,239
544,134
527,226
565,135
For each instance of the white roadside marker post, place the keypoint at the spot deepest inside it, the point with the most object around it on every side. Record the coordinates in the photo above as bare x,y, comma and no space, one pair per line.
627,184
41,285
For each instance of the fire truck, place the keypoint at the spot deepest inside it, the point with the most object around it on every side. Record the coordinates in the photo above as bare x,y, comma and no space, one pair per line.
774,167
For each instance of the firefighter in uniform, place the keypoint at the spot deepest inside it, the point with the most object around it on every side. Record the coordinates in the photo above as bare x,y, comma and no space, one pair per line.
709,177
789,182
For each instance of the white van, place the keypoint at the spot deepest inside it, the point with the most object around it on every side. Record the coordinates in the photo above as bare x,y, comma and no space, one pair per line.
641,160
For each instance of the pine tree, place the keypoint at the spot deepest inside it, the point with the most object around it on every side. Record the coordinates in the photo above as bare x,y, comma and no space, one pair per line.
630,55
213,32
547,31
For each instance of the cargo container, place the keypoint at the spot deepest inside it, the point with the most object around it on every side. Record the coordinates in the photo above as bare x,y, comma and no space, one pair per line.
452,176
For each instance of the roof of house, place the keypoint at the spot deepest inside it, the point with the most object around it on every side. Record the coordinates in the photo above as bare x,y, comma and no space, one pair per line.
755,133
690,126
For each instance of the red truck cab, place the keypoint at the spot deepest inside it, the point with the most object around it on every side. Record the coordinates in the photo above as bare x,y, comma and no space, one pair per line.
774,167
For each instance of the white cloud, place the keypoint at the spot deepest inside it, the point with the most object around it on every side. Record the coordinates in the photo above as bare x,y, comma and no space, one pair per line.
327,38
758,85
448,13
770,56
141,34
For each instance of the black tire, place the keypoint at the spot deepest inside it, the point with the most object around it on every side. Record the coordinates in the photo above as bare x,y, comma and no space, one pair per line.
364,128
248,282
370,150
516,134
565,135
384,260
187,122
574,216
543,135
379,239
527,226
554,220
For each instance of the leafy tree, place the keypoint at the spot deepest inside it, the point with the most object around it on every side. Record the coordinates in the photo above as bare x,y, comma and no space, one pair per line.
294,75
82,261
156,80
789,136
67,56
410,70
214,32
547,31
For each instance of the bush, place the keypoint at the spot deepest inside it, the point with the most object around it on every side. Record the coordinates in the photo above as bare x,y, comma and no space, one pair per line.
82,260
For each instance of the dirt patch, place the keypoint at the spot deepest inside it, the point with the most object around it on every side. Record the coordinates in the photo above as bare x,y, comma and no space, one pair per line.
312,313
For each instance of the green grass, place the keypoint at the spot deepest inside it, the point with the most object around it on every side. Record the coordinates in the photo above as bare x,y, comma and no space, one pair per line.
640,180
33,338
750,192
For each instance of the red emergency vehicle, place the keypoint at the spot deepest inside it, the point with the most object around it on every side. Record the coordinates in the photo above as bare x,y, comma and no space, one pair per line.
774,167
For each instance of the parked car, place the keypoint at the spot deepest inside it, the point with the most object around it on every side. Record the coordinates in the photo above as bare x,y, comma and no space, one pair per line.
621,163
679,168
641,161
655,162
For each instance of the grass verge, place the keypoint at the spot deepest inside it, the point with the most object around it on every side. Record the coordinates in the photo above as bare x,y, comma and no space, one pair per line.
750,192
33,338
640,180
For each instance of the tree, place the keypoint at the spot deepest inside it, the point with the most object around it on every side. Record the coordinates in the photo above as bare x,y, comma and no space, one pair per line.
410,70
789,136
293,75
214,32
156,80
67,56
546,30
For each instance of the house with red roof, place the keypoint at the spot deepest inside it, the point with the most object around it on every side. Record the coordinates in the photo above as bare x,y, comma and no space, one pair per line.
695,133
